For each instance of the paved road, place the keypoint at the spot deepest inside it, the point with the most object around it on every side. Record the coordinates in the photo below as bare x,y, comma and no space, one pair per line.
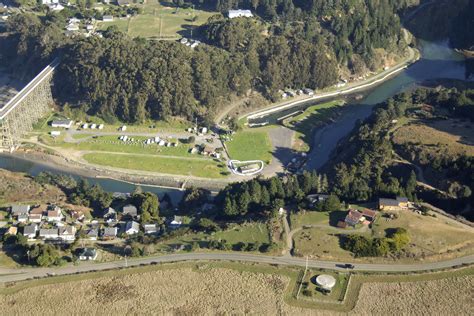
10,275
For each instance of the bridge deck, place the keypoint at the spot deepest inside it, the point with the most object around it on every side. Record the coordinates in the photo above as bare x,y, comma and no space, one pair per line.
7,108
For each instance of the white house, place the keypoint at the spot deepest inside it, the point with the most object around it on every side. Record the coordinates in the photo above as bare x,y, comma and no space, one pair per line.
56,7
107,18
55,215
177,221
132,228
240,13
150,228
72,27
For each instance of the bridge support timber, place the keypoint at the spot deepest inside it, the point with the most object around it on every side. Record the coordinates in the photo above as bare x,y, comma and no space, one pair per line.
33,102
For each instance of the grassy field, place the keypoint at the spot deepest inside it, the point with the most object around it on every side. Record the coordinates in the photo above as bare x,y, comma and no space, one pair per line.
248,233
313,117
159,21
250,145
180,166
319,243
429,235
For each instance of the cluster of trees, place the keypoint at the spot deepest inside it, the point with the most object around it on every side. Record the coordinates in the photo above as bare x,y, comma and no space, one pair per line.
359,165
362,246
78,192
148,206
264,197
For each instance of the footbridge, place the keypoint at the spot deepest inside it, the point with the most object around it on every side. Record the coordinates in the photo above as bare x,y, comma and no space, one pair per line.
18,116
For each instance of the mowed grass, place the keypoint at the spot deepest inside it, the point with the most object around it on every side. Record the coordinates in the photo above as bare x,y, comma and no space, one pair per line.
250,145
308,218
113,144
179,166
158,21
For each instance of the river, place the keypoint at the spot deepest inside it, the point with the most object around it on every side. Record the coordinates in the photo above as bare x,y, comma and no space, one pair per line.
438,61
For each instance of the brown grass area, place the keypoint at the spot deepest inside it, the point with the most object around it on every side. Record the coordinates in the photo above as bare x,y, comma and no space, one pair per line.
181,291
431,237
443,137
16,187
453,296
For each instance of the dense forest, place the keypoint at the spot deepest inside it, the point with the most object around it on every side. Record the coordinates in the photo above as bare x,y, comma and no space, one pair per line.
291,44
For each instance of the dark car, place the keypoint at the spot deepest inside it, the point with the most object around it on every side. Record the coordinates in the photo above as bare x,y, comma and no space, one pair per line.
345,266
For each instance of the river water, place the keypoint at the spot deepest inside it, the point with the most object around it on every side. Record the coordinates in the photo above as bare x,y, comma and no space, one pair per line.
438,61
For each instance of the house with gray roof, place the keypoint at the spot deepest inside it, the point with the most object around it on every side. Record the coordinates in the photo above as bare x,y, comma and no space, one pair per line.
19,209
30,231
48,234
109,233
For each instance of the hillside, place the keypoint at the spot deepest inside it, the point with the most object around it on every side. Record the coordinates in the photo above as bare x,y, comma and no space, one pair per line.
288,44
427,133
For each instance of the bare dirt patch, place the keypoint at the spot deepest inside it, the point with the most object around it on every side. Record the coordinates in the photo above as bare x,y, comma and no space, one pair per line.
453,296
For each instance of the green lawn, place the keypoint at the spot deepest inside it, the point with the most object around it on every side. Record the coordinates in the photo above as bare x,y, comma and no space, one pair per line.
192,167
121,24
250,145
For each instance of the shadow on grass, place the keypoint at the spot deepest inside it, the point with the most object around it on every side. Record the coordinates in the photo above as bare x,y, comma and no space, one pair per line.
335,217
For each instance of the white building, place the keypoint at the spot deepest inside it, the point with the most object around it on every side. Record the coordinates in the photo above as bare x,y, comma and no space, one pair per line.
62,123
240,13
107,18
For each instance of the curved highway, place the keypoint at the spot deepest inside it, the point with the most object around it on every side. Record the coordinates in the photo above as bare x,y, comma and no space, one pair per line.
11,275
